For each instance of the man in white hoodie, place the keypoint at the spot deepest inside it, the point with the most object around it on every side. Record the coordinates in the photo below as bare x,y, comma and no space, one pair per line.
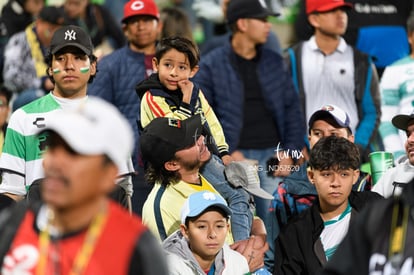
392,182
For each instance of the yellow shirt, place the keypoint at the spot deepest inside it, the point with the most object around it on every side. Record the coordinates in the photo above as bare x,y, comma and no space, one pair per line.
166,203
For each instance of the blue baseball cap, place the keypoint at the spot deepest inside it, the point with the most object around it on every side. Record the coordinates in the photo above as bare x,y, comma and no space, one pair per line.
198,202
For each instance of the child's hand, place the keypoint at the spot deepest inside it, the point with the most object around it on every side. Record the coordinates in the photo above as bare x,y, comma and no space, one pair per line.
226,159
186,87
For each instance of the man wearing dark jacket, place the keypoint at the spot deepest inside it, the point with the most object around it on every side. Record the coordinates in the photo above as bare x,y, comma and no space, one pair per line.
253,96
120,71
307,243
380,241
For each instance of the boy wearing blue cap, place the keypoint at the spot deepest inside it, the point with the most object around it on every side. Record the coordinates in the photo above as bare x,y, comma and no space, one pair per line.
198,247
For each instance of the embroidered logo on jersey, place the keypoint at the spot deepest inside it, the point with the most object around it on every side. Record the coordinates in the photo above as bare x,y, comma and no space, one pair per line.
39,122
70,35
174,123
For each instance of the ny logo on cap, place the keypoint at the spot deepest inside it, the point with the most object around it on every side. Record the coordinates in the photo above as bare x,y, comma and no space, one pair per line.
263,4
70,35
174,123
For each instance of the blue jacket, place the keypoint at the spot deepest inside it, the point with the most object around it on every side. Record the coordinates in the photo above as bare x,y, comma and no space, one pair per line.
118,74
223,88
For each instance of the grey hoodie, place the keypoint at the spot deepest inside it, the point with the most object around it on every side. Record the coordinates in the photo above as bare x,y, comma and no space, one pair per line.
181,259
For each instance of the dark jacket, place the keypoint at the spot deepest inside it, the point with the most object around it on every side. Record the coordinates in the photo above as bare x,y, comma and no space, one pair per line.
119,73
367,244
298,247
221,84
15,18
367,96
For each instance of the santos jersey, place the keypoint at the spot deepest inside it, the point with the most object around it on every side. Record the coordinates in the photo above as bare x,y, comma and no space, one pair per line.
21,160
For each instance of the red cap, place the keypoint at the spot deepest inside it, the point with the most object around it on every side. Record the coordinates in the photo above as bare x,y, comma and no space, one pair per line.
140,7
325,5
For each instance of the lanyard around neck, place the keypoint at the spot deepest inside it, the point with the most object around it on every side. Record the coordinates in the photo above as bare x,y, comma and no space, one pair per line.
85,252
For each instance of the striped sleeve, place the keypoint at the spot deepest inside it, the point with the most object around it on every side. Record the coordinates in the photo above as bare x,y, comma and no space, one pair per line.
156,106
214,125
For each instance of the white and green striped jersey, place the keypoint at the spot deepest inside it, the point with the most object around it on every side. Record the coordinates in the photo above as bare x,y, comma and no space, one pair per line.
397,97
21,159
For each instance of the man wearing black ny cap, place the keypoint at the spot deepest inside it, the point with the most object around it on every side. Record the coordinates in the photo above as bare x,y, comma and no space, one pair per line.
24,60
175,150
394,179
70,66
253,95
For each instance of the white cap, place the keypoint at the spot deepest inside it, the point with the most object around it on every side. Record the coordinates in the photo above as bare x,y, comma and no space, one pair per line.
95,127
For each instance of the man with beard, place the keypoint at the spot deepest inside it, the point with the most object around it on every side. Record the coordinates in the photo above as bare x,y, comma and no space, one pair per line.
392,182
176,150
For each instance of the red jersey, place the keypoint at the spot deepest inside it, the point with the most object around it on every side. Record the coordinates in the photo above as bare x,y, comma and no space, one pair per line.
113,252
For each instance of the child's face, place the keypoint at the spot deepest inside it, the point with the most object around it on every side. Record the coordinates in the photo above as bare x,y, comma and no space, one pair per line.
206,235
321,128
333,186
172,68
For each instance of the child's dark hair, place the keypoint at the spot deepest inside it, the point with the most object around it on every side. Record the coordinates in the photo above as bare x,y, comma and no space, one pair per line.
49,59
334,153
181,44
210,208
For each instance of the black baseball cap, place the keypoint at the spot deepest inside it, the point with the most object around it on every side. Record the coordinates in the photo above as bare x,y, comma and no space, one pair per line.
237,9
52,14
164,136
71,36
403,121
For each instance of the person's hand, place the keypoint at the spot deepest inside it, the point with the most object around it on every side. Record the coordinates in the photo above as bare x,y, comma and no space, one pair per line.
186,87
284,166
227,159
237,156
253,250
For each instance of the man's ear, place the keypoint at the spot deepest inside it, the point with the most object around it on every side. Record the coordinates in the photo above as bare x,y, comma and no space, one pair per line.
241,24
311,176
356,175
50,72
92,68
172,165
313,20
